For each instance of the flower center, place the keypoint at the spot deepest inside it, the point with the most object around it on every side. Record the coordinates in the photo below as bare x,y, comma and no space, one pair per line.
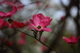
39,27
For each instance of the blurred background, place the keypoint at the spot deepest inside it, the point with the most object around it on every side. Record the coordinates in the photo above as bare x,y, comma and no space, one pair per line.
65,22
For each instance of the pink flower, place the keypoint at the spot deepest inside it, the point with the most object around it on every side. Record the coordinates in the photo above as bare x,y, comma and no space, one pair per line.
9,43
39,22
28,25
2,23
18,4
8,14
71,40
63,18
43,48
16,24
38,3
7,2
22,41
23,35
43,39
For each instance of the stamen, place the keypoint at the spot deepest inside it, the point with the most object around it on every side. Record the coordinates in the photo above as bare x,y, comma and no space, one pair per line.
39,27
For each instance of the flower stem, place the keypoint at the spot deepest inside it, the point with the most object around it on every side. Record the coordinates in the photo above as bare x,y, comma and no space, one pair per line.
40,34
73,48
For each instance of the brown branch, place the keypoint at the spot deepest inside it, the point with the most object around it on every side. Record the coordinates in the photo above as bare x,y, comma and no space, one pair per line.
59,34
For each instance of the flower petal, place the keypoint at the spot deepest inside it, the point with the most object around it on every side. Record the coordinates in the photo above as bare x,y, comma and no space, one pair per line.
66,39
36,20
2,14
40,15
22,41
74,39
14,9
47,29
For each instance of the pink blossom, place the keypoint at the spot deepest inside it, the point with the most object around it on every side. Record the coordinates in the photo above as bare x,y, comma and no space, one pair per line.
16,24
63,18
39,22
43,48
8,14
43,39
28,25
22,41
2,23
7,2
23,35
18,4
71,40
38,3
9,43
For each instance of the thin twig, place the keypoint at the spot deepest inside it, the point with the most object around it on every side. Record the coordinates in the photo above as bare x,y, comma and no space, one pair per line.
30,36
33,37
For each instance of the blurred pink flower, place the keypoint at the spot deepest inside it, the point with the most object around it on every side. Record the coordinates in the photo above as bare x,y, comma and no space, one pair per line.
63,18
18,4
16,24
21,41
8,14
43,39
2,23
9,43
38,3
44,48
39,22
23,35
28,25
71,40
